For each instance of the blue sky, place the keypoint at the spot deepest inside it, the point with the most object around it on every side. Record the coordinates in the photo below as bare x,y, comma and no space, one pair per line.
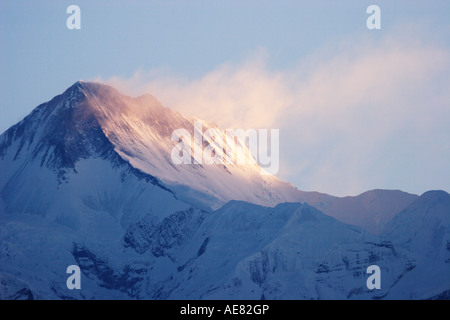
357,109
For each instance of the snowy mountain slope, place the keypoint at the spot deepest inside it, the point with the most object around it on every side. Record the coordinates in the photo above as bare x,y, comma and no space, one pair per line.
292,251
61,182
59,164
423,228
370,210
241,251
424,225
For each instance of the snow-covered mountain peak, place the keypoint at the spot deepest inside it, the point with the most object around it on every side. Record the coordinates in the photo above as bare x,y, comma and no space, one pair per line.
94,120
141,131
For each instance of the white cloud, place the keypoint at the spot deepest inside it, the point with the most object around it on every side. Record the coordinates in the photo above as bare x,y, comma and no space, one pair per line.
364,116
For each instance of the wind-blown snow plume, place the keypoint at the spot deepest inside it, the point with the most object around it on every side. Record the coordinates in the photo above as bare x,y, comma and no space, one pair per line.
353,111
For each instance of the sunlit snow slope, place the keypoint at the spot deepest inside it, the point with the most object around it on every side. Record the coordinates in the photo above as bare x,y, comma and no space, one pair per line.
138,130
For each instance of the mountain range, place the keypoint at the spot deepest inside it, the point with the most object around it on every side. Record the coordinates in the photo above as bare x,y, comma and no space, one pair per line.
87,179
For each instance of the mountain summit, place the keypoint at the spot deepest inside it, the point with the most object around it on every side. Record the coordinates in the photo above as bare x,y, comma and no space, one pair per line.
93,119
